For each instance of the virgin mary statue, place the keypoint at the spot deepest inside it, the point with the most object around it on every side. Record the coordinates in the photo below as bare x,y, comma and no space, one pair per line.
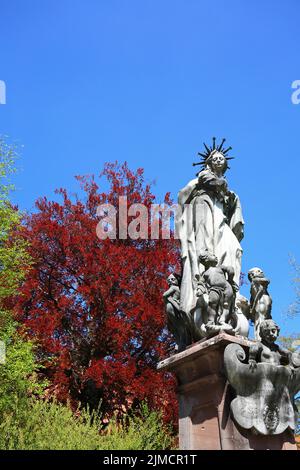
210,220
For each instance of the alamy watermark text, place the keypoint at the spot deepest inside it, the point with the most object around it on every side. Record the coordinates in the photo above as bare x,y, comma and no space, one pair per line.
296,94
2,92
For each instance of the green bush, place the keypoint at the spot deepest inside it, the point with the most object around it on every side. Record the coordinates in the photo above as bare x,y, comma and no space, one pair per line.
141,431
53,426
46,426
18,373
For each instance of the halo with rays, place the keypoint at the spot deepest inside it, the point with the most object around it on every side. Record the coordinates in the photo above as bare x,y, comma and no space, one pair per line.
210,151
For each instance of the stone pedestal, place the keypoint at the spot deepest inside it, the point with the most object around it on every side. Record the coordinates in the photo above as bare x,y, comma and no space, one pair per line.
204,395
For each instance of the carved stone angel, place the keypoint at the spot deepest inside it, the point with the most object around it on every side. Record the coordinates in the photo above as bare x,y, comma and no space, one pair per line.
177,322
260,301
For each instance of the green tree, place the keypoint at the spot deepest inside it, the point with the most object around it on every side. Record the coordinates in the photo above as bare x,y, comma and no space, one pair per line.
291,343
17,371
294,308
13,254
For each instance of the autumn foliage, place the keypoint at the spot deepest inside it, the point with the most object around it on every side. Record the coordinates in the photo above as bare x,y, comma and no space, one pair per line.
95,306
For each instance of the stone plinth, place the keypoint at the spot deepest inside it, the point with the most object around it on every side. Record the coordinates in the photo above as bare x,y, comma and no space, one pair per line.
204,395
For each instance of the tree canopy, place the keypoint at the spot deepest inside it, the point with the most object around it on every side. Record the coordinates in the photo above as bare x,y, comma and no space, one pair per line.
95,306
18,367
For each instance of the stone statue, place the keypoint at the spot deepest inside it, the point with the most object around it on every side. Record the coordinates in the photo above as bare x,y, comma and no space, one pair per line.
260,301
266,385
219,306
217,282
177,321
210,220
266,350
205,301
240,317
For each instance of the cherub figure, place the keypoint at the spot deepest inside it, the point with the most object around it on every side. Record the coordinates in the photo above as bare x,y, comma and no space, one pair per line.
266,385
266,350
221,289
240,320
260,301
176,320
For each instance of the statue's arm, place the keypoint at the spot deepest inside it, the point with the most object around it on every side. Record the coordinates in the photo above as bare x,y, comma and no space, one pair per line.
229,271
286,355
259,290
169,292
230,276
254,355
207,181
201,288
211,182
263,281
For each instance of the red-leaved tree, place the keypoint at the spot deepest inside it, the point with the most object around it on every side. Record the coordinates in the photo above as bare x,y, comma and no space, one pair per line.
95,306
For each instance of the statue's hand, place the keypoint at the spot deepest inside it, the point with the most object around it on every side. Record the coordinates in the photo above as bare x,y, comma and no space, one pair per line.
201,289
219,185
252,365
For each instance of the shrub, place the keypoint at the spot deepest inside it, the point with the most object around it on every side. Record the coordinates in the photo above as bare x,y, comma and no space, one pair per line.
18,373
53,426
140,431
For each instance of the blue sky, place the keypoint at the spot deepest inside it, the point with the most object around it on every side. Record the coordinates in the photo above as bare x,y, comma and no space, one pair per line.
147,82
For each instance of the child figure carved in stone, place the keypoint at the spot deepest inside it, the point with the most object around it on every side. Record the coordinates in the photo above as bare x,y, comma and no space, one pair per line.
221,290
266,350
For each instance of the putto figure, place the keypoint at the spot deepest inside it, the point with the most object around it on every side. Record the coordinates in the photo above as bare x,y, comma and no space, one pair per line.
218,282
266,350
211,220
265,385
260,301
177,321
240,320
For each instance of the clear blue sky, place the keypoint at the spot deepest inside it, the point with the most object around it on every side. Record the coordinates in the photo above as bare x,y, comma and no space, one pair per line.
90,81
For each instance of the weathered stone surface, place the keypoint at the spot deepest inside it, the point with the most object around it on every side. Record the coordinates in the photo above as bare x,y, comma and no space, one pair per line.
177,321
204,303
204,395
265,383
210,221
260,301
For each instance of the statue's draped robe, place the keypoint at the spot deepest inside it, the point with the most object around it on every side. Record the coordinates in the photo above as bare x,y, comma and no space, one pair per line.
207,222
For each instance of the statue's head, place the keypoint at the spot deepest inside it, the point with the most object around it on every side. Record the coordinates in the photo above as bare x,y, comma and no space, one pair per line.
173,279
269,331
217,162
208,259
215,157
242,303
255,272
